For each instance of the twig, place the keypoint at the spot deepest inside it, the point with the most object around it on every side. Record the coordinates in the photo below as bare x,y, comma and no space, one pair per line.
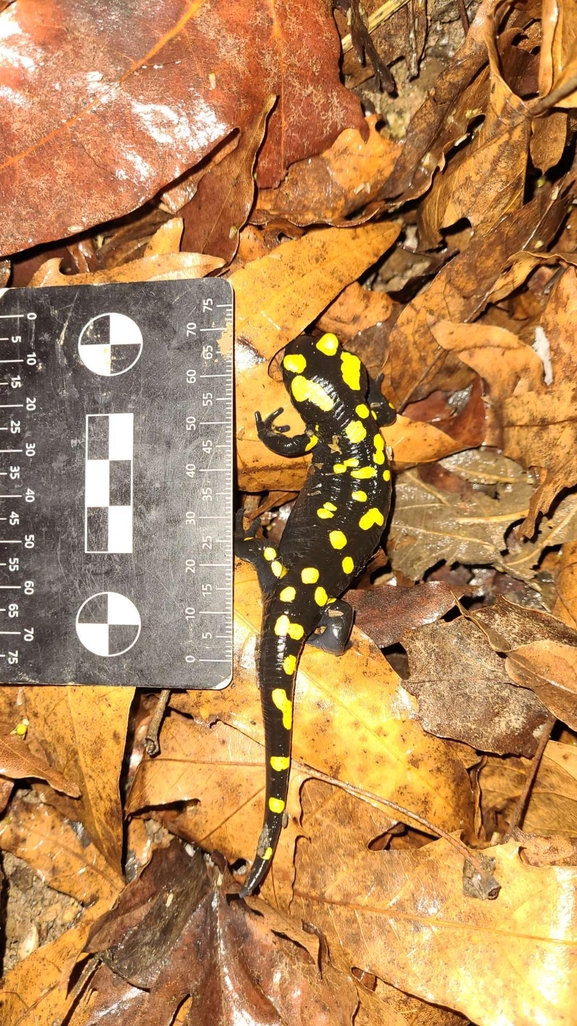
382,13
151,742
517,817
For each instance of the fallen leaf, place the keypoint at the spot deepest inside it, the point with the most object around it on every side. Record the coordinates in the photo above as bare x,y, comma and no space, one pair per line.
417,364
160,267
508,365
83,729
557,66
331,186
552,803
549,669
223,200
18,762
464,690
430,523
62,856
133,123
565,607
403,916
386,612
175,934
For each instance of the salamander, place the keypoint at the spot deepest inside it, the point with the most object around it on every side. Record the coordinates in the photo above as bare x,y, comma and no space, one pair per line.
334,527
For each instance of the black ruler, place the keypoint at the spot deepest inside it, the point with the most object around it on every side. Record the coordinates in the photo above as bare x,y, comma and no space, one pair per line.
116,462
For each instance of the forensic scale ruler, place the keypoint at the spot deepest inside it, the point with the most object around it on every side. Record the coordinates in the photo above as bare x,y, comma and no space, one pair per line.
116,462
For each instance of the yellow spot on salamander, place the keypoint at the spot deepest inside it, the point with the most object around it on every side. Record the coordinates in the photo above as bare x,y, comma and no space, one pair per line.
379,442
370,518
309,575
362,410
320,596
353,461
328,344
288,594
282,702
269,553
268,854
386,475
276,804
348,565
351,370
355,431
311,443
304,390
330,505
279,762
324,514
295,363
296,631
337,539
363,473
282,625
277,568
359,496
379,458
289,664
339,468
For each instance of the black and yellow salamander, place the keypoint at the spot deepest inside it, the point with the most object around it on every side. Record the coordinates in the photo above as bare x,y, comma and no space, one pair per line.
335,525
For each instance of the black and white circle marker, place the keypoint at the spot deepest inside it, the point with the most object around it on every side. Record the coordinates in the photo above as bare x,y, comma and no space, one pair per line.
110,344
108,624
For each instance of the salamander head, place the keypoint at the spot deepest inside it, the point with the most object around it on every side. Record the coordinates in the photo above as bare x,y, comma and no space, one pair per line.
324,381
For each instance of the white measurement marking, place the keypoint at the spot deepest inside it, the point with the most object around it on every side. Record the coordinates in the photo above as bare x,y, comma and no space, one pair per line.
213,612
213,517
10,587
11,406
10,450
10,541
214,329
214,660
11,496
5,317
213,564
11,361
208,423
213,375
10,632
213,470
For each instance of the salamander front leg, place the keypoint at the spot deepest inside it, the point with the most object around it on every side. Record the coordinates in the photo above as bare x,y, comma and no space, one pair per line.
337,621
277,441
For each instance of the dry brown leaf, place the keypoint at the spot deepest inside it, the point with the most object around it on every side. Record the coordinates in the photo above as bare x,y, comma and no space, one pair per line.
465,692
17,762
403,916
158,267
552,804
63,858
549,669
225,194
417,364
34,993
333,185
385,613
558,326
83,729
556,529
558,66
487,179
508,365
431,523
566,584
355,311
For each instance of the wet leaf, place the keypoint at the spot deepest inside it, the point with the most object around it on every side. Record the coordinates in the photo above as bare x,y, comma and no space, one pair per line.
548,668
174,934
385,613
126,124
552,804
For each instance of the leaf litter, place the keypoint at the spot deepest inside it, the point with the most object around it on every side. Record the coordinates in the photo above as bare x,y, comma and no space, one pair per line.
428,868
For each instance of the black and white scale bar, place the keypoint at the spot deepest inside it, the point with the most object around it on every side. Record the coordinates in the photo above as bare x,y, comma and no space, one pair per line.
109,482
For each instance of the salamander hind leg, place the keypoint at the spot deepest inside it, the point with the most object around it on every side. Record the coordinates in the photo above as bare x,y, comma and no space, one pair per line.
337,621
